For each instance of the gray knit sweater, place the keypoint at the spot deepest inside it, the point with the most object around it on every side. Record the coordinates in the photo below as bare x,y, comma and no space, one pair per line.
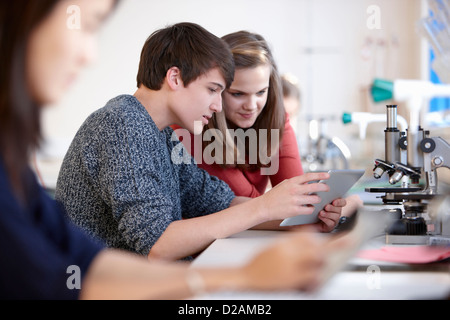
119,183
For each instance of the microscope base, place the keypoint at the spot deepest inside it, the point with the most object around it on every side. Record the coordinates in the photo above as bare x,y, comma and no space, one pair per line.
407,240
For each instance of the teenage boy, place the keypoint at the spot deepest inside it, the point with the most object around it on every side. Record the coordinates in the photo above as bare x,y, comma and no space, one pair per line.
119,182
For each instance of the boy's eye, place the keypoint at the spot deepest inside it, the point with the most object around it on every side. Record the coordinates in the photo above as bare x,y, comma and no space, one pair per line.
213,90
236,94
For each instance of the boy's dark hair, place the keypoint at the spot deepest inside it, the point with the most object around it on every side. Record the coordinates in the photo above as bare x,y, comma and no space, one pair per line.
190,48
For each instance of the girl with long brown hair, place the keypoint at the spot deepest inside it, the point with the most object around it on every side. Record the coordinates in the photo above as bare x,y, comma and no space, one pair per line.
253,144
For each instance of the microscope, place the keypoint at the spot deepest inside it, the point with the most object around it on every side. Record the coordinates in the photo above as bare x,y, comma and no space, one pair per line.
411,161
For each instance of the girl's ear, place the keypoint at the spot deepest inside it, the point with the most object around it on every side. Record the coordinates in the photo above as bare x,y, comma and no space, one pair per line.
173,78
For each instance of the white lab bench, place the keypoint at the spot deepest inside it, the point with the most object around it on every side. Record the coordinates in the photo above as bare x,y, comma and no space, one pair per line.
357,281
395,281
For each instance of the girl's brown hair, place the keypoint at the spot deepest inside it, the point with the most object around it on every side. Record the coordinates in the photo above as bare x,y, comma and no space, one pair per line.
251,50
19,116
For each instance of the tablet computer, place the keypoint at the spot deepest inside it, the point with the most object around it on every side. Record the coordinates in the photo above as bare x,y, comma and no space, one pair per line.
340,182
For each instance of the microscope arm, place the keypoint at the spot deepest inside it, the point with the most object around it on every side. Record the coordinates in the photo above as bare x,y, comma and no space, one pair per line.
436,152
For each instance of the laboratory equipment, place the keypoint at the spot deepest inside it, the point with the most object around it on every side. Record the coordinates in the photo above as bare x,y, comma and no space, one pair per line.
363,119
324,152
413,92
412,159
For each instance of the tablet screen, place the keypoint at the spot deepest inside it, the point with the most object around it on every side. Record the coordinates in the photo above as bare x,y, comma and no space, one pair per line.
340,182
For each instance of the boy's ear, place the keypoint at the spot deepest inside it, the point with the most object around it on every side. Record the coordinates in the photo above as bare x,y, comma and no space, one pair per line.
173,78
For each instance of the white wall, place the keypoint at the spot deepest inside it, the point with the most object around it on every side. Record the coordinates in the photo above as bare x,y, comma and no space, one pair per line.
319,41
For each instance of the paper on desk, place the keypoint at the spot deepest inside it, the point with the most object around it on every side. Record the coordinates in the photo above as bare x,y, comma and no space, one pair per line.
406,254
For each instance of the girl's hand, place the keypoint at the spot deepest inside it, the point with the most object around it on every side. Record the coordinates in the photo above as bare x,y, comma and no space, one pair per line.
329,217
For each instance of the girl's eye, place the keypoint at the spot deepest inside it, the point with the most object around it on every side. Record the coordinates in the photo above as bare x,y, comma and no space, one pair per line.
261,93
236,94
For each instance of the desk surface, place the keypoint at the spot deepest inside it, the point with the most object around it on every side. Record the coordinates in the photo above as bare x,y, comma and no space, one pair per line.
394,281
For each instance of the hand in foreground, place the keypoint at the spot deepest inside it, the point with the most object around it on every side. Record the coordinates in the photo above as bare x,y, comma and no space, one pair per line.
294,263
